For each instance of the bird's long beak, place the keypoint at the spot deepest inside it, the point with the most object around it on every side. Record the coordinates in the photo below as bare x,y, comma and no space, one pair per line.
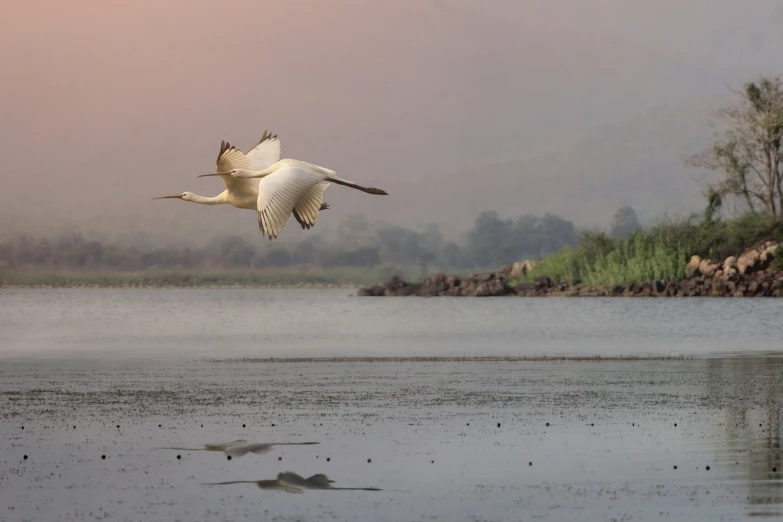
175,196
215,174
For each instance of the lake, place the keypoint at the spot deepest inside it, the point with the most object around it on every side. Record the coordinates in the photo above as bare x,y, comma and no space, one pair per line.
92,382
192,322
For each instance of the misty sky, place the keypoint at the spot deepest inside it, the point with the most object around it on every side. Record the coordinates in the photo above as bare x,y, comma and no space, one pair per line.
103,107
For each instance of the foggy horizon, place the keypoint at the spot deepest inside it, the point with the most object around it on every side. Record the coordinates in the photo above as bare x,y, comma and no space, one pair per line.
452,108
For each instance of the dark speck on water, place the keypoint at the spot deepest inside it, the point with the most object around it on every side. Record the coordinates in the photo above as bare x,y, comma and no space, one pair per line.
228,457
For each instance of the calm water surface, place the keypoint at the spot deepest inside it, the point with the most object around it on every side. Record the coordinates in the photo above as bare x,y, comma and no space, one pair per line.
87,373
171,323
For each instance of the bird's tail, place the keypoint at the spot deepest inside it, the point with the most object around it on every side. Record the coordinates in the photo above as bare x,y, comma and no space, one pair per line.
347,183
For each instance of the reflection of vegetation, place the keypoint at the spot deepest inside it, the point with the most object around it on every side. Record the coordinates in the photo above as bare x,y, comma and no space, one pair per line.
751,393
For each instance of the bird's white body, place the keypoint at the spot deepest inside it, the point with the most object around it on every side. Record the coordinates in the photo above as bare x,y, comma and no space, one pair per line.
286,186
274,188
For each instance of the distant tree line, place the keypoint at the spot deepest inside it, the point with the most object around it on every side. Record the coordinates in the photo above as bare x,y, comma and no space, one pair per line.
490,243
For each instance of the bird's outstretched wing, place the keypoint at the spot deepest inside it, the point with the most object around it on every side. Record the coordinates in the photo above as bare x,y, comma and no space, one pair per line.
230,158
306,209
265,152
279,192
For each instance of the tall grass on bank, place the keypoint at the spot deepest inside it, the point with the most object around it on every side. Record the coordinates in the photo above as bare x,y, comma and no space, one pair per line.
661,252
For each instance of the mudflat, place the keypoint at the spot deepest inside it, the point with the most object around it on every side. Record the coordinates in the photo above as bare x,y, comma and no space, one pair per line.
601,439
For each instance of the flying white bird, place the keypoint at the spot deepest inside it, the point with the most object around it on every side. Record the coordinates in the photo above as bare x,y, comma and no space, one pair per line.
243,193
293,483
239,448
284,186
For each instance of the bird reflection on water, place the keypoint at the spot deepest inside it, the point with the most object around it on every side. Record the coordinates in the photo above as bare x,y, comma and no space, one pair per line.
293,483
241,447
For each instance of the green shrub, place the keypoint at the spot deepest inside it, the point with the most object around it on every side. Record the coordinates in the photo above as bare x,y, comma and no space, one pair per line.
661,252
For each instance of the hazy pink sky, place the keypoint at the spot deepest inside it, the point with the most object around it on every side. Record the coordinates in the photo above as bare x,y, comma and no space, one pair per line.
106,104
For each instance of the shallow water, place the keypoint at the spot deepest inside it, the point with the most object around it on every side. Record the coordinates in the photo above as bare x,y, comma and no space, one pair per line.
260,323
74,365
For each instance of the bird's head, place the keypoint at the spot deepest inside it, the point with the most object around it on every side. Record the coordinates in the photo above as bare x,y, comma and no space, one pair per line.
185,196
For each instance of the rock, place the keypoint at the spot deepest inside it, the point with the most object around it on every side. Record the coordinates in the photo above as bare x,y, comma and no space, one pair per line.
749,262
481,278
768,254
730,262
707,268
517,270
542,281
658,287
693,266
507,270
397,287
491,288
521,268
374,291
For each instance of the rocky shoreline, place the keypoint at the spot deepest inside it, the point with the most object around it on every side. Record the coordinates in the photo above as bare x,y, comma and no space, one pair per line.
751,274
